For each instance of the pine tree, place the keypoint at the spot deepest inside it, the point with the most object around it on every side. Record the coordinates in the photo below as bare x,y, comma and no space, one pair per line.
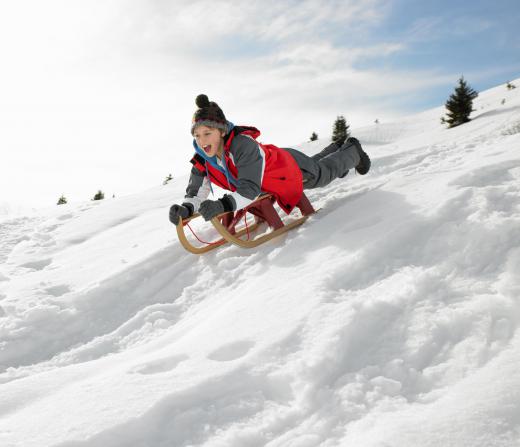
340,130
100,195
62,200
314,136
460,104
167,179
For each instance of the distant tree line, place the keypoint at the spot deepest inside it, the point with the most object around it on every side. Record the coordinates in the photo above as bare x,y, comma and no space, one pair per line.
458,110
340,131
100,195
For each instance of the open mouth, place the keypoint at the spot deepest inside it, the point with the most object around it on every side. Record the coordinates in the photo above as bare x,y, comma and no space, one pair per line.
207,148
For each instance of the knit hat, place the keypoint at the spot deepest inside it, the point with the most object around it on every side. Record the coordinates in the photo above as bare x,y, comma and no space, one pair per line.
209,114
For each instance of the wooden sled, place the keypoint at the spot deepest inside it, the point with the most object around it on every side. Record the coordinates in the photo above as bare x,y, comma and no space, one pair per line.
262,209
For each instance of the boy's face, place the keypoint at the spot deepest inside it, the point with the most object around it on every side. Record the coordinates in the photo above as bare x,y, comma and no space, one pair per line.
209,139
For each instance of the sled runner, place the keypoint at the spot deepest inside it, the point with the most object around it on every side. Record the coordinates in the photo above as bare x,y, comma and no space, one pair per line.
226,224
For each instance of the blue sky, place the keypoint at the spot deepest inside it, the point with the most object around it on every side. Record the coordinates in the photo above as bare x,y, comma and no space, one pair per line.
99,95
479,39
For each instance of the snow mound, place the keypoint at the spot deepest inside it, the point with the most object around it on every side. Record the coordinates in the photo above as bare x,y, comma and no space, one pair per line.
389,319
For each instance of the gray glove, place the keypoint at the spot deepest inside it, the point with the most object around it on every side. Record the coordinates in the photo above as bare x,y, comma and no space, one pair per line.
211,208
178,212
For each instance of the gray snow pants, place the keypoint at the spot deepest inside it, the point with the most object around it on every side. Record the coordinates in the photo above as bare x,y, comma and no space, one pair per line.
329,164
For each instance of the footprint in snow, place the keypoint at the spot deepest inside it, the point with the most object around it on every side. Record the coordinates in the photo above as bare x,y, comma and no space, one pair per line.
47,229
37,265
161,365
231,351
65,216
58,290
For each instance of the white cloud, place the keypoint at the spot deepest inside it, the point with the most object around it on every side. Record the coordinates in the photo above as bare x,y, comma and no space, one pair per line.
105,90
271,20
431,28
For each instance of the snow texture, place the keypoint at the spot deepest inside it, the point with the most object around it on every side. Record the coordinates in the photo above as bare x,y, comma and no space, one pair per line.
389,319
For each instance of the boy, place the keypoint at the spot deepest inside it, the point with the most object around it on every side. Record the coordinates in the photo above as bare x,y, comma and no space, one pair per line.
231,157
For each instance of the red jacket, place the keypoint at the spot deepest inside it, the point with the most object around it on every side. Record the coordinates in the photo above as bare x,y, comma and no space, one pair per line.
282,177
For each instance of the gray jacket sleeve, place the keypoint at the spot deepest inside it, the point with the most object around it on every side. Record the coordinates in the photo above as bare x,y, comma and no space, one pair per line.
198,189
250,163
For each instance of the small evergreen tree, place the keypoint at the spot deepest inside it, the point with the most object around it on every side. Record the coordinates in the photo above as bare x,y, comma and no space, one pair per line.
340,130
460,104
62,200
100,195
167,179
510,86
314,136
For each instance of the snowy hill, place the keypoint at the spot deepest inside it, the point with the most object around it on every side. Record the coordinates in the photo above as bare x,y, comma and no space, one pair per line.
389,319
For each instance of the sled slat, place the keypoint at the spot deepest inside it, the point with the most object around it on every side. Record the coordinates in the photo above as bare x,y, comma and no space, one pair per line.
234,239
205,248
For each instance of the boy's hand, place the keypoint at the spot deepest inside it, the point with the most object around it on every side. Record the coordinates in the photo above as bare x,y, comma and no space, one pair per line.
178,212
211,208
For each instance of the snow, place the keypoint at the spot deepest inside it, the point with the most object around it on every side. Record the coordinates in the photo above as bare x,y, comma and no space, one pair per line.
389,319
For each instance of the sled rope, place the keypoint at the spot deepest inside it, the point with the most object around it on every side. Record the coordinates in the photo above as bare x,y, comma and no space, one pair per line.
196,237
216,243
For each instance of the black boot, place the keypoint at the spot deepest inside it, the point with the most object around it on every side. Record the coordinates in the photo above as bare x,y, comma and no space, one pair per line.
364,160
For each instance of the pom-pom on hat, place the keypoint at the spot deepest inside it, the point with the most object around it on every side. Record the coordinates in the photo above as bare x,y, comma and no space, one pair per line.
208,114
